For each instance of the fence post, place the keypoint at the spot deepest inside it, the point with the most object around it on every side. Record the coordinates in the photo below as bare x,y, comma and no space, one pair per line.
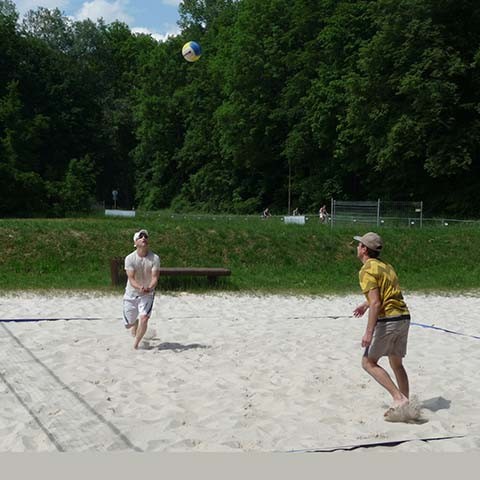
117,273
378,213
332,212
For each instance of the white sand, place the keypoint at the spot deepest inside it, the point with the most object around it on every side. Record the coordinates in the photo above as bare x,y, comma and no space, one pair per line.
226,373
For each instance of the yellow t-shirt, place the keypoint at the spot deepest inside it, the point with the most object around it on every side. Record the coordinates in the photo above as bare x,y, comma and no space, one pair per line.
377,274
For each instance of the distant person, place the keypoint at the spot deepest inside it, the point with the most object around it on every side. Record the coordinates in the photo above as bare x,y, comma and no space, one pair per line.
388,323
295,212
266,213
143,269
323,214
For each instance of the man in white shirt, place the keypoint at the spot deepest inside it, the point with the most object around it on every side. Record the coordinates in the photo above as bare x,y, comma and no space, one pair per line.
143,269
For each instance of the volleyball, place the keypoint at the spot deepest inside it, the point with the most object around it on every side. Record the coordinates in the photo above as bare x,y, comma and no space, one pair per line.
191,51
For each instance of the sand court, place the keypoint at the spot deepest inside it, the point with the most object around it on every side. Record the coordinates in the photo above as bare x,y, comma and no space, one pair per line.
229,373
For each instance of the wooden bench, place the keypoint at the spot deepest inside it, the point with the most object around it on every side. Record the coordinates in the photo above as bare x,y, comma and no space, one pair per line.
119,277
210,273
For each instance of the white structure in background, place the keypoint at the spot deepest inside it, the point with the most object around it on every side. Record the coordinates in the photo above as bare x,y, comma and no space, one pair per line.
119,213
299,219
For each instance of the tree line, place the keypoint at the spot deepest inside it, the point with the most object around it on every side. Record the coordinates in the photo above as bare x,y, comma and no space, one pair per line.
351,99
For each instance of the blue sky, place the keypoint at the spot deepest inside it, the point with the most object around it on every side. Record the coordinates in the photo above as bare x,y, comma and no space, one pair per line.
156,17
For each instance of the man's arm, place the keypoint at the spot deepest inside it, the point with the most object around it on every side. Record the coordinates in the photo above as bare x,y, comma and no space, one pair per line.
374,309
133,282
153,283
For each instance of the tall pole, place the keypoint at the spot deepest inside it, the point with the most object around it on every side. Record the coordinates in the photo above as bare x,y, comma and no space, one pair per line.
332,212
289,185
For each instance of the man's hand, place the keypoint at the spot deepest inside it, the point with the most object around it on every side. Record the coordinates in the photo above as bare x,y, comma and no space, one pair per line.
367,339
360,310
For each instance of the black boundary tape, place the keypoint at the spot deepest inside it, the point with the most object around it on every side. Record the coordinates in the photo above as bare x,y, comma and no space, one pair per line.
392,443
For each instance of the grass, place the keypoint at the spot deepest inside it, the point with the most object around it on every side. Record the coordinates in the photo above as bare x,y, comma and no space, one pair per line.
264,255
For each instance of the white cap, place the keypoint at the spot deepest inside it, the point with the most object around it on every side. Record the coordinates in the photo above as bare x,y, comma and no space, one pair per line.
136,236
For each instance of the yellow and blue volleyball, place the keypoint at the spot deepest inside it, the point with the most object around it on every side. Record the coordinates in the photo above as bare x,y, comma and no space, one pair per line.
191,51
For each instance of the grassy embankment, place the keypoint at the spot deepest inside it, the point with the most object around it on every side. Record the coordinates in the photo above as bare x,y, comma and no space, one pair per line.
264,256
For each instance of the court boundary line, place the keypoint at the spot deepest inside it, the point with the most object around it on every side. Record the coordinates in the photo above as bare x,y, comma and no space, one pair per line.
186,317
20,320
44,429
76,395
388,443
433,327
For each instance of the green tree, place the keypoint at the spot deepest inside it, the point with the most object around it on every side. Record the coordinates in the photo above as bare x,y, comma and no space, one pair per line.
23,188
78,190
50,26
412,101
159,126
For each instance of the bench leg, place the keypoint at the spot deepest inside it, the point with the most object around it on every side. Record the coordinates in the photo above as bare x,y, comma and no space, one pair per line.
211,279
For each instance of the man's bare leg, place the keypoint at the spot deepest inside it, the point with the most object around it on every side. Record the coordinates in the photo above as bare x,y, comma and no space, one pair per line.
383,378
400,374
140,331
134,328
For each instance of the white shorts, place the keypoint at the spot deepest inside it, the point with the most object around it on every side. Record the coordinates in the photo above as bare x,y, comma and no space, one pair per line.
136,307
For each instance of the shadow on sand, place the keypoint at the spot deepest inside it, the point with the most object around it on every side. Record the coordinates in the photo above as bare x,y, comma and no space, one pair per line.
176,347
436,403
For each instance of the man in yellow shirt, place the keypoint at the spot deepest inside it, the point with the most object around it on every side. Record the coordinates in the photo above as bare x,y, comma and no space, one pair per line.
388,319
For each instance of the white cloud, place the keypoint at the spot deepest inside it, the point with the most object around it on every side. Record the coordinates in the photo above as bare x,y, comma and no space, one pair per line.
109,11
160,37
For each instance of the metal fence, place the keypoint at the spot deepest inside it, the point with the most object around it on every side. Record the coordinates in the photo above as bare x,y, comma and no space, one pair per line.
378,213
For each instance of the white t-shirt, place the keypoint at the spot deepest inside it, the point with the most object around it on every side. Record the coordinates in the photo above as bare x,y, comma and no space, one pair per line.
143,268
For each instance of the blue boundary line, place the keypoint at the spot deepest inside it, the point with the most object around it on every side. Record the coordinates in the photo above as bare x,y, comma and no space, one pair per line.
19,320
423,325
